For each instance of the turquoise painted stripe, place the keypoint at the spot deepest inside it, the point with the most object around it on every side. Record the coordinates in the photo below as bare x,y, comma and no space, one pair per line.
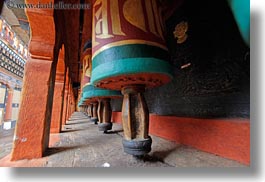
87,88
129,51
131,66
91,91
241,11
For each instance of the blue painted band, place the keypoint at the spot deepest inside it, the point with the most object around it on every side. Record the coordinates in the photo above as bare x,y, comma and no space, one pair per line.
91,91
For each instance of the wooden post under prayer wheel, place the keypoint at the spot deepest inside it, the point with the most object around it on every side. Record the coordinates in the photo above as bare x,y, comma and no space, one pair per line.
105,113
85,110
89,112
135,117
129,54
94,117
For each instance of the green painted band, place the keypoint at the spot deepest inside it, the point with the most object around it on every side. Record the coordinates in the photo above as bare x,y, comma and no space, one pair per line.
87,88
131,66
129,51
92,91
241,11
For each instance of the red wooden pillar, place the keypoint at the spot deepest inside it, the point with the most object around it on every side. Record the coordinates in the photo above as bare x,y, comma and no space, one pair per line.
33,126
65,102
69,106
68,103
8,113
72,101
73,104
56,121
32,130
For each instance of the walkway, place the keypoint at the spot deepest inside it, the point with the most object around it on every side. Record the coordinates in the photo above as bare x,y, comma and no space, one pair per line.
6,138
82,145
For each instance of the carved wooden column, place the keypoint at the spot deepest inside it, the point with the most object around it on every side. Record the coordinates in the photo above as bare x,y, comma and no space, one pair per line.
85,110
135,117
94,117
90,108
105,123
100,110
89,111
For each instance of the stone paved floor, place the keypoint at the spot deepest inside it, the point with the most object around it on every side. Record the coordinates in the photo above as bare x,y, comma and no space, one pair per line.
82,145
6,138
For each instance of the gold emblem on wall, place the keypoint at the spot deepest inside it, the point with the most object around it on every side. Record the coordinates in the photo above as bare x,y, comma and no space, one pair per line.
181,32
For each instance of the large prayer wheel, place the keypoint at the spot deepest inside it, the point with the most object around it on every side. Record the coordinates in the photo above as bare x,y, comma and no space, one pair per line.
129,54
98,99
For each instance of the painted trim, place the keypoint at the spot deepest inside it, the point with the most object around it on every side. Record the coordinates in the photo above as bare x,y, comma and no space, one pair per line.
131,66
129,51
229,138
132,42
15,105
91,91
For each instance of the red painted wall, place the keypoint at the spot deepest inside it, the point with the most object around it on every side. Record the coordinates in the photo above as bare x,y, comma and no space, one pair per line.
229,138
8,114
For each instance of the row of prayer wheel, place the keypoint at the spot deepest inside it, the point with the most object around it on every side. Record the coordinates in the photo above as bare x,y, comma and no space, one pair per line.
128,55
96,100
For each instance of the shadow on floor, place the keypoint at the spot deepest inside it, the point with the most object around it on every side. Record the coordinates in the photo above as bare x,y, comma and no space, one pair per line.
55,150
113,131
68,131
157,156
163,154
148,158
75,119
73,123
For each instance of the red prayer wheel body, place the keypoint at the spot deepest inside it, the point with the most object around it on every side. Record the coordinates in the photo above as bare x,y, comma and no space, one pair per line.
128,45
